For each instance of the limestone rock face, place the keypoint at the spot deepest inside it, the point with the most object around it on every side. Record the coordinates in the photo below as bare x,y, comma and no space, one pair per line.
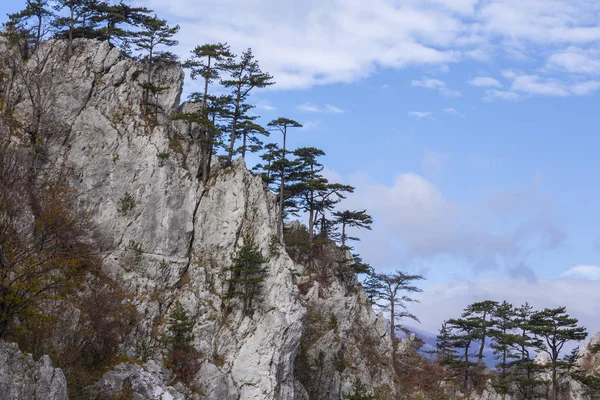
21,377
168,237
133,380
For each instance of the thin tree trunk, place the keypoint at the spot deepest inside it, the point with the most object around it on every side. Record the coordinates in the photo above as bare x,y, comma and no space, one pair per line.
244,145
281,188
234,124
70,42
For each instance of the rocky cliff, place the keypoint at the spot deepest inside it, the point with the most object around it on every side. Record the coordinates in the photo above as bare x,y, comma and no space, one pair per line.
166,237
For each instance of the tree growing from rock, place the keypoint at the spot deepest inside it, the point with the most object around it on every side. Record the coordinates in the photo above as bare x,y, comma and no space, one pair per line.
394,289
154,32
108,20
282,125
246,274
244,75
34,20
556,328
79,13
352,219
208,61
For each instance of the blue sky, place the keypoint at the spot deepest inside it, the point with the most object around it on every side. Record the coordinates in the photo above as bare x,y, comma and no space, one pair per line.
469,128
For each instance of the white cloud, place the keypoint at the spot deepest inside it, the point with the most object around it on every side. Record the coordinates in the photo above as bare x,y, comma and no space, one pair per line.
453,112
420,114
533,84
311,125
430,83
312,108
333,109
450,92
266,107
484,81
585,88
591,272
321,42
576,60
308,107
442,301
416,222
491,95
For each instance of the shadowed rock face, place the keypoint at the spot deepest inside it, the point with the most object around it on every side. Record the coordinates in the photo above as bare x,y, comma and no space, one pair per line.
21,377
135,173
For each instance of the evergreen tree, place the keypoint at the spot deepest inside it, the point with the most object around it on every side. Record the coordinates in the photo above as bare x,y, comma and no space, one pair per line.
351,219
247,273
465,332
111,17
244,75
250,132
524,370
556,328
80,17
180,328
391,289
480,313
208,61
269,157
503,338
282,125
309,182
33,19
359,392
155,32
444,345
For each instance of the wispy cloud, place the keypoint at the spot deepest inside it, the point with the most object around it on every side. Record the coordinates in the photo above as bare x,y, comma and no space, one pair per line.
429,83
485,81
591,272
453,111
576,60
312,108
317,43
311,125
442,301
436,84
420,114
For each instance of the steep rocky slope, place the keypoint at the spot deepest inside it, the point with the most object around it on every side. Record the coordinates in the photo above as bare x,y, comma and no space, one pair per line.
167,237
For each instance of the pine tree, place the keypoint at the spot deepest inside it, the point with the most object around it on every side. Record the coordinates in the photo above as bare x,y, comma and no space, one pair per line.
180,328
351,219
155,32
309,182
111,17
465,332
208,61
247,273
270,156
391,289
244,75
282,125
80,16
33,19
480,313
556,328
503,338
250,132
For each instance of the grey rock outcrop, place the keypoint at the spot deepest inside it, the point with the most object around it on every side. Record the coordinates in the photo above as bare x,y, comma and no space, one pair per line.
21,377
168,237
135,381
